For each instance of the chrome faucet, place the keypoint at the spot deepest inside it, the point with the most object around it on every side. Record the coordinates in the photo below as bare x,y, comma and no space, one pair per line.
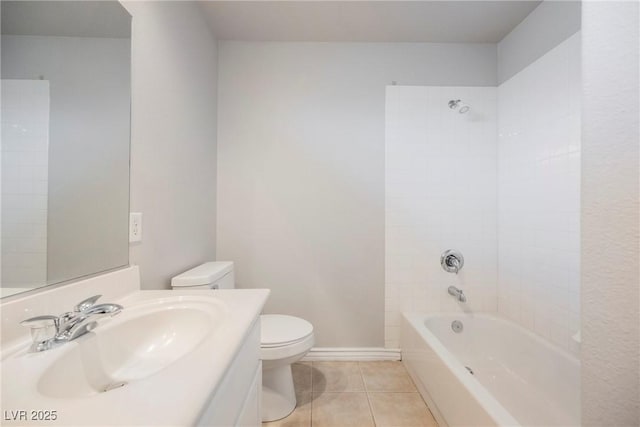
457,293
52,331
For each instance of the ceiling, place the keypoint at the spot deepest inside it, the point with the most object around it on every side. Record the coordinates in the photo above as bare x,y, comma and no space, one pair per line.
366,21
66,18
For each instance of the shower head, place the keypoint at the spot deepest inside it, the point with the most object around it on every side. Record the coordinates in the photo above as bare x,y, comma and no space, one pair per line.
456,103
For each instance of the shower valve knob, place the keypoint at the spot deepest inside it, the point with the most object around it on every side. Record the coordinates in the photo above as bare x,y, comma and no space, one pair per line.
452,261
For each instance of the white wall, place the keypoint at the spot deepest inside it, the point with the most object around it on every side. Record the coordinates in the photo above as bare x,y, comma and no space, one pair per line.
610,214
548,25
25,164
441,171
88,146
301,170
173,142
539,195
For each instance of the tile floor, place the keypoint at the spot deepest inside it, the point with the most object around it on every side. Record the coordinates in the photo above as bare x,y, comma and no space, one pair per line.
359,394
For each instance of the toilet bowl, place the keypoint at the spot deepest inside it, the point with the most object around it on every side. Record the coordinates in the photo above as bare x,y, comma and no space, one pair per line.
284,339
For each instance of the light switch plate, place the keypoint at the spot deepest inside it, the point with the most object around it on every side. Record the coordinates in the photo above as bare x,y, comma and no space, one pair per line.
135,227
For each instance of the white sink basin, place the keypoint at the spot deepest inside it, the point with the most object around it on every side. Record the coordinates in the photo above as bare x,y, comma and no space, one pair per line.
132,346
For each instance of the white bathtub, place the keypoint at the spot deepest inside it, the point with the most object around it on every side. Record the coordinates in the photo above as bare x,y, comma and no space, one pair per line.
518,378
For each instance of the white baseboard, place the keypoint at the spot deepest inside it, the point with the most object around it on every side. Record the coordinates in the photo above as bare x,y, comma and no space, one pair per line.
317,354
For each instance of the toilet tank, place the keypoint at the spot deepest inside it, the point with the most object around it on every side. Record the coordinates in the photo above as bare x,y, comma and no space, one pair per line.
210,275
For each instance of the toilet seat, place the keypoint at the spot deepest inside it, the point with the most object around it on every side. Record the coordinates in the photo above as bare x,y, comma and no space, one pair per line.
280,330
284,336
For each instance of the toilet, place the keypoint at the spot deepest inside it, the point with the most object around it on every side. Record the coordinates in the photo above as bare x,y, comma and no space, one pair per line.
284,339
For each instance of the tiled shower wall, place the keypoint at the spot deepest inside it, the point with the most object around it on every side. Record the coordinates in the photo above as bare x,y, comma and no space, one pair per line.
25,150
501,186
440,179
539,195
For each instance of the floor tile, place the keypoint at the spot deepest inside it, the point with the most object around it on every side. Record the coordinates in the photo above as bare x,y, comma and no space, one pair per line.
386,376
400,409
341,410
300,417
337,377
301,377
333,394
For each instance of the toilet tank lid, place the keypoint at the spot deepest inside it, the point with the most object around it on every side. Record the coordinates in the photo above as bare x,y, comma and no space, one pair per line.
204,274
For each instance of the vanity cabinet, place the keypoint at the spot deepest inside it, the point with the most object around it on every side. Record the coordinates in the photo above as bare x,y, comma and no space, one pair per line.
251,412
236,401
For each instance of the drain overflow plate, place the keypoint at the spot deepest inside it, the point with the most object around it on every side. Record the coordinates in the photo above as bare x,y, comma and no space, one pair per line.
457,326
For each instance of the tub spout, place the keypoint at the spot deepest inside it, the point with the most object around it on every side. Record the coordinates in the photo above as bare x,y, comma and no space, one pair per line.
457,293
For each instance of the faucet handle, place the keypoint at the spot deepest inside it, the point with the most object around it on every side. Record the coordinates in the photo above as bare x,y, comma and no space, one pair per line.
452,261
86,304
42,328
40,321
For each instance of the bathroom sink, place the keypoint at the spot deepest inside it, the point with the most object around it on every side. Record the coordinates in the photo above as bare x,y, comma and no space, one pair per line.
164,347
134,345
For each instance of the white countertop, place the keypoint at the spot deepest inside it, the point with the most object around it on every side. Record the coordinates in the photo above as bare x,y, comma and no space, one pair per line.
176,395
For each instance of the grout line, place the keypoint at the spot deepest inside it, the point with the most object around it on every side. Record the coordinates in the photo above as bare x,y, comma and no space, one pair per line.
364,384
366,390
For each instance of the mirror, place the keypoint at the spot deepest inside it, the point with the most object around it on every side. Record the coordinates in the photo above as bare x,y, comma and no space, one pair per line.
65,109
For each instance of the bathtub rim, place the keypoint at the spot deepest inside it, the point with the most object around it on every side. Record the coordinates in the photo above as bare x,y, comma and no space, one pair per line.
480,393
502,319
